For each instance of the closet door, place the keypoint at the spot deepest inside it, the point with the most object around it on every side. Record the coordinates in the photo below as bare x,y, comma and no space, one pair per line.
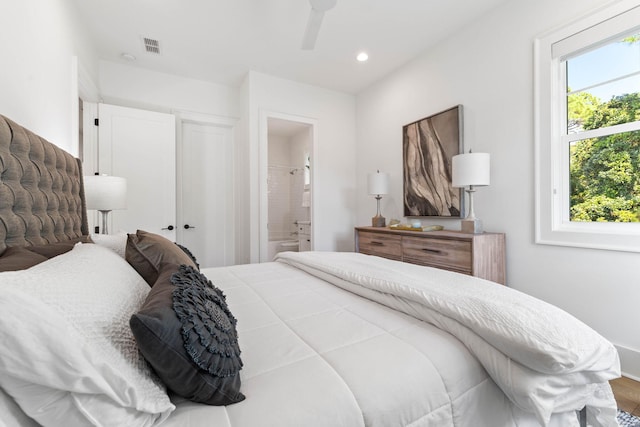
140,146
205,193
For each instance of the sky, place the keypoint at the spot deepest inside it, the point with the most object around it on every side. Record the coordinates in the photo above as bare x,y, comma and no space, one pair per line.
607,62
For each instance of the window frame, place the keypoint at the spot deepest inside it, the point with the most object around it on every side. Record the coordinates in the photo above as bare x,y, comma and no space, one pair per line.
551,139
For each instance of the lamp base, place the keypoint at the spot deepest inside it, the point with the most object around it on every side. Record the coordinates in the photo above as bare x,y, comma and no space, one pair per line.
378,221
105,220
472,226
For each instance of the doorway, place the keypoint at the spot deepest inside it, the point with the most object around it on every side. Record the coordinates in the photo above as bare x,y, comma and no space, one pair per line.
286,184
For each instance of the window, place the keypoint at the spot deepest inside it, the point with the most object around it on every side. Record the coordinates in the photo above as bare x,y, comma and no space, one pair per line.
602,131
307,171
587,123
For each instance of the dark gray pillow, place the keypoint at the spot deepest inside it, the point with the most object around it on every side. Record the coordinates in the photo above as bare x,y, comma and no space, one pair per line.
147,251
51,250
23,257
19,258
201,314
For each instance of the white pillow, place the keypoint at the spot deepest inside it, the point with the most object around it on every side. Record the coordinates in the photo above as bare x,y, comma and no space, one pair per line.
12,415
115,242
68,356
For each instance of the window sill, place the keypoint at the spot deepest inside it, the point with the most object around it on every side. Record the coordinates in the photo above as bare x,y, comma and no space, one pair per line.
593,236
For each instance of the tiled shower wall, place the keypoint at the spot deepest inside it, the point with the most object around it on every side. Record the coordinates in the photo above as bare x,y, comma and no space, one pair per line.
280,219
285,188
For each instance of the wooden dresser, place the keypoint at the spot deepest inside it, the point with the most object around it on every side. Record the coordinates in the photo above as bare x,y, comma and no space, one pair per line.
480,255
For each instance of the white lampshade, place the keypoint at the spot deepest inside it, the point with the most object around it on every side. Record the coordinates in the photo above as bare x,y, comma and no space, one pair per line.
378,183
105,193
471,169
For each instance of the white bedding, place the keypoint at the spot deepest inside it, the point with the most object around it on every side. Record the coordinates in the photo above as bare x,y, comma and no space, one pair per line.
318,355
544,359
67,354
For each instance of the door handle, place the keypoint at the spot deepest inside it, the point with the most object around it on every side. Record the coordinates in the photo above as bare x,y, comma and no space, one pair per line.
187,226
168,228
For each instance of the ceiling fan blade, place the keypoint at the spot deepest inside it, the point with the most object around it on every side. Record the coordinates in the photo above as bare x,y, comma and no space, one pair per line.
313,27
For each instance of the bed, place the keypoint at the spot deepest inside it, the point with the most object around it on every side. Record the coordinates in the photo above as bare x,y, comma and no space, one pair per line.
313,339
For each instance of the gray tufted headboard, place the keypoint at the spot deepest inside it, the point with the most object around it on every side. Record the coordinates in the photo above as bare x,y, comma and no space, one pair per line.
41,190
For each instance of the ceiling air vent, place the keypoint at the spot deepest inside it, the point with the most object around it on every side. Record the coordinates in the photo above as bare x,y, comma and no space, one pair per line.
151,45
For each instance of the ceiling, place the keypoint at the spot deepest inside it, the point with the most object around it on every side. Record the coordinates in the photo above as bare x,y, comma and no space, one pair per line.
221,40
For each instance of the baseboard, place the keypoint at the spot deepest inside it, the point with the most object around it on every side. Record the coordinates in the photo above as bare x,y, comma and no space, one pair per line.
629,362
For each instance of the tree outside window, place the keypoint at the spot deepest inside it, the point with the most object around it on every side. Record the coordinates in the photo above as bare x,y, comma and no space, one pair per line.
603,114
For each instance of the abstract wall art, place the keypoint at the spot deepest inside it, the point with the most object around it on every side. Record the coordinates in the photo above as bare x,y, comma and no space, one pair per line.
428,146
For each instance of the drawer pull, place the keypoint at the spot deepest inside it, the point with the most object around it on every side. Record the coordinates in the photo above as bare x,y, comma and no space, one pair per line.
375,243
432,251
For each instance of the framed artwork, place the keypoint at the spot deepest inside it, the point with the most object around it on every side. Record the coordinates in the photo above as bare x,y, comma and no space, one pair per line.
428,146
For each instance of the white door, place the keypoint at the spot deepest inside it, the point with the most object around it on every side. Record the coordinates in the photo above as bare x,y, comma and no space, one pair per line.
205,193
140,146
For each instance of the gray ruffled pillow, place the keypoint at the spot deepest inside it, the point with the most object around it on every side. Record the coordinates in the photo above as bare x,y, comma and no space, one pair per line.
188,335
208,327
189,254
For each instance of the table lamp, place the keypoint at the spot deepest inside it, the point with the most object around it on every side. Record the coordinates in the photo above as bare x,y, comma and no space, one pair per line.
378,184
471,170
105,193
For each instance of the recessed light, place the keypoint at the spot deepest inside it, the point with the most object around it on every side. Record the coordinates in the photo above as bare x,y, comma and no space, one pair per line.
362,56
128,56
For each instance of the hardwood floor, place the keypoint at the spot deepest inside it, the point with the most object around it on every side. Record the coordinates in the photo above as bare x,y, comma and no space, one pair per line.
627,393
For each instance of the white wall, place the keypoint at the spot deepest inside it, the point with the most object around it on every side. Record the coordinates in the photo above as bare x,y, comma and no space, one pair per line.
333,160
128,86
489,69
279,150
242,183
38,76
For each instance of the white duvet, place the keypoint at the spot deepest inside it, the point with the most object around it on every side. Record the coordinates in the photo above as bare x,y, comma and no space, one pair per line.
542,358
317,354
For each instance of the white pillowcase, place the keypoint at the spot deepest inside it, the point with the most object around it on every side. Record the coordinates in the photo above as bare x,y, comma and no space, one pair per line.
115,242
12,415
69,357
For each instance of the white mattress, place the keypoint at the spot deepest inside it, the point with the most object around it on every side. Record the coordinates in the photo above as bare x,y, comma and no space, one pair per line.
318,355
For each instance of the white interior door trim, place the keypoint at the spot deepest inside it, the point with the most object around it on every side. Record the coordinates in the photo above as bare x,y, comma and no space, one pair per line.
90,151
212,119
263,160
82,87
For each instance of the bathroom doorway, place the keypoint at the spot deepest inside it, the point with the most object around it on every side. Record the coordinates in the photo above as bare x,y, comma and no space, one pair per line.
288,185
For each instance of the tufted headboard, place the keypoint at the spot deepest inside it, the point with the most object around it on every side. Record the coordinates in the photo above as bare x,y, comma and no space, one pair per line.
41,190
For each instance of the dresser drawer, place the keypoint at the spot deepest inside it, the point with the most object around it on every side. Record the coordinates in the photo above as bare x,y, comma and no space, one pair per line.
480,255
448,254
380,244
